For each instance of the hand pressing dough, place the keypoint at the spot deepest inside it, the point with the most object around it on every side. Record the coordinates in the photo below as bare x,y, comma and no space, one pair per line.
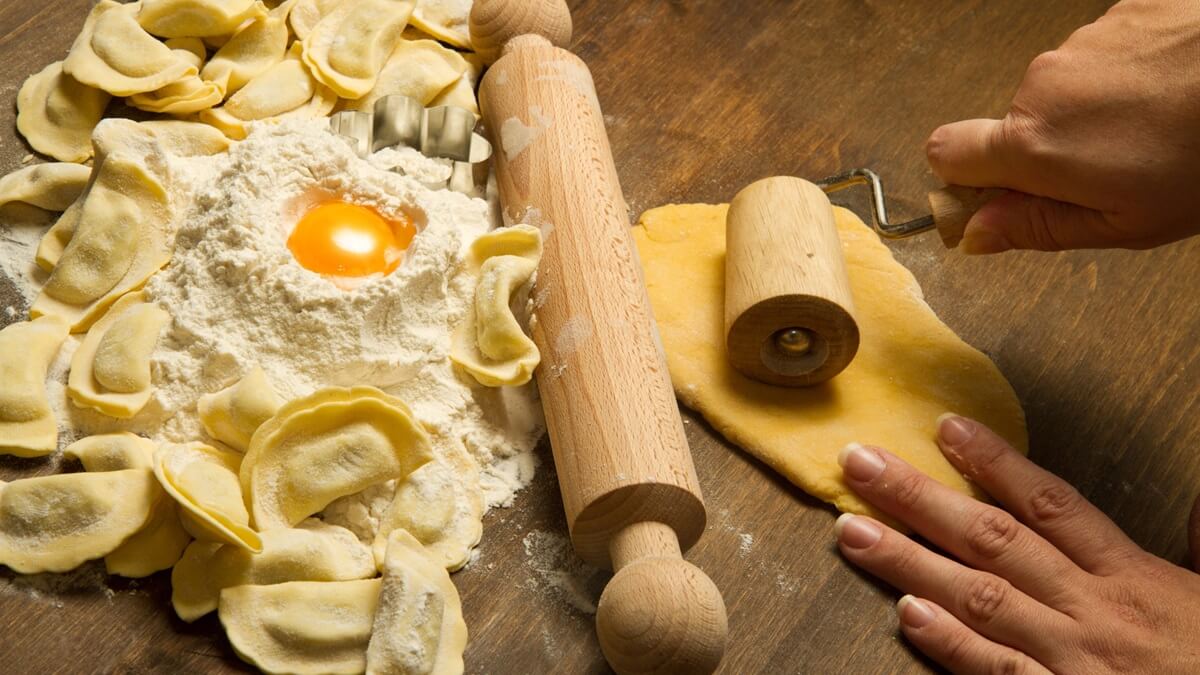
51,187
27,426
418,625
232,415
333,443
56,113
301,626
910,367
312,551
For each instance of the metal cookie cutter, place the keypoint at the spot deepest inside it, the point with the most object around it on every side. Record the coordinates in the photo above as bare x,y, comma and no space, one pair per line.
446,132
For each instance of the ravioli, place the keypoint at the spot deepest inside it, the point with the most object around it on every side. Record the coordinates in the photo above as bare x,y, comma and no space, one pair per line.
418,606
490,344
419,69
441,506
203,480
57,523
122,233
307,14
250,52
184,138
330,444
301,626
110,371
313,551
286,90
190,94
347,48
160,542
446,20
27,348
115,54
50,187
233,414
196,18
56,238
56,113
113,452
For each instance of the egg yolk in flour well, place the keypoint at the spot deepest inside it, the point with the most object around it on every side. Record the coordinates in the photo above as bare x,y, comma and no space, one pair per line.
348,240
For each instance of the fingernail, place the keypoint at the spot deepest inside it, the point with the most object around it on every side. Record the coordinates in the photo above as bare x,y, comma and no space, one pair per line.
954,430
914,613
980,241
856,532
860,463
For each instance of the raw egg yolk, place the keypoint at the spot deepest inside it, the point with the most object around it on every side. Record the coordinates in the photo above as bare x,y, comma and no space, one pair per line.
348,240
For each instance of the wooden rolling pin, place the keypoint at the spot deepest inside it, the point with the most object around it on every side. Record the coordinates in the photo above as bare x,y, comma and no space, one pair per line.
789,315
629,488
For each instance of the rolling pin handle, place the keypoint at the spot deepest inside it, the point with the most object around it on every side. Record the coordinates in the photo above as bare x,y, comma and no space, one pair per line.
953,206
493,23
659,613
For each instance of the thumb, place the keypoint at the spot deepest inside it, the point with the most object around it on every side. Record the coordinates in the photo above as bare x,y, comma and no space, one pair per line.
1016,220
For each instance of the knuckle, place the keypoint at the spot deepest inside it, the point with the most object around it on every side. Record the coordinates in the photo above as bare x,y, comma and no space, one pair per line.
908,489
1044,63
1044,217
1009,663
1052,502
992,533
983,597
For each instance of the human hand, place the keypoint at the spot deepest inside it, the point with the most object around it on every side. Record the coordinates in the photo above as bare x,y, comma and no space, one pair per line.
1059,588
1101,144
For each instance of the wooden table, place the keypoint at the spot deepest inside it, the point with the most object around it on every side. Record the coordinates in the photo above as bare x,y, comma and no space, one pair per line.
702,98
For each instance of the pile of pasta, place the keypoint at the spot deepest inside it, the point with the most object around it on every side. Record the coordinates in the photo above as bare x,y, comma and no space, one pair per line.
227,63
236,516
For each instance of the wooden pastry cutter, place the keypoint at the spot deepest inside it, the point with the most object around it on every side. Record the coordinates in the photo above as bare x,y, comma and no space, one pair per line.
789,315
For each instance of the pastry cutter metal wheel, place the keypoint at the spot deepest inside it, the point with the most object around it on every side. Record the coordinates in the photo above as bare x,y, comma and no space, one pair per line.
789,314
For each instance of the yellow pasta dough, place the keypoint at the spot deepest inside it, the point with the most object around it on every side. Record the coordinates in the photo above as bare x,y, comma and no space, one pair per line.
301,626
56,238
490,344
110,370
204,481
183,138
250,52
56,113
27,426
56,523
115,54
159,543
347,48
285,90
419,69
910,367
331,444
189,94
312,551
446,20
418,625
440,505
52,187
126,203
233,414
196,18
307,14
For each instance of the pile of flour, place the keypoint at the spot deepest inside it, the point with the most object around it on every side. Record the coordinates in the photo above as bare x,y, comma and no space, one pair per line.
238,298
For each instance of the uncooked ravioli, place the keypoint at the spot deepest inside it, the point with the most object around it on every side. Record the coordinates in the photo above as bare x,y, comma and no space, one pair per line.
910,367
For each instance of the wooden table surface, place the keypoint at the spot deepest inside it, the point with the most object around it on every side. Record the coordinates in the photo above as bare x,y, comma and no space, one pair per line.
701,99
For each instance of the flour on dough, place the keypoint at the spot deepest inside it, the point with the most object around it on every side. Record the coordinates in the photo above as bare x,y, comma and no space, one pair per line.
910,367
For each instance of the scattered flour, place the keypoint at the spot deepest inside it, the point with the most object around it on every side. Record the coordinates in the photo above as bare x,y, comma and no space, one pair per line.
238,298
560,572
746,545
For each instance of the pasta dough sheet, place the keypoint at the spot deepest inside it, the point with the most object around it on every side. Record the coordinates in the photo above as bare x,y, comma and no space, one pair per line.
910,367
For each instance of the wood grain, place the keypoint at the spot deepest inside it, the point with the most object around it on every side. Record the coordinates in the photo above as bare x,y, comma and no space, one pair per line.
702,98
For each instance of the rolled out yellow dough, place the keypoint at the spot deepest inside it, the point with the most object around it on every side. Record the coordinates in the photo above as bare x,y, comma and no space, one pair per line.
910,367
